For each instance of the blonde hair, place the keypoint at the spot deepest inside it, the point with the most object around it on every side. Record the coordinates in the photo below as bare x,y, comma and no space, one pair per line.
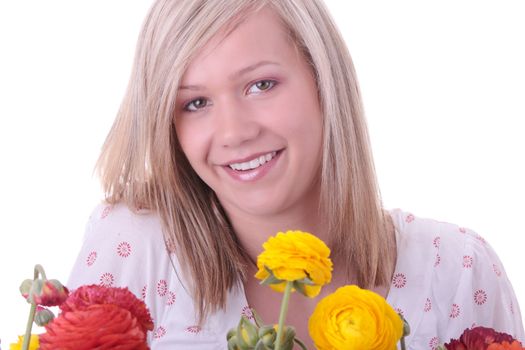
142,164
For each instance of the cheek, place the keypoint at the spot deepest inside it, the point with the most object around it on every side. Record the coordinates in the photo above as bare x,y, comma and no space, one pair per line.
192,142
302,120
298,109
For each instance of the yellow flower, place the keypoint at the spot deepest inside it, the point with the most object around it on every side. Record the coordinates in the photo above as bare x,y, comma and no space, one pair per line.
295,256
33,343
355,318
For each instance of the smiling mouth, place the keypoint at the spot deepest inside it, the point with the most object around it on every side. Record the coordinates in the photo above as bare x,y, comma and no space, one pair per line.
254,163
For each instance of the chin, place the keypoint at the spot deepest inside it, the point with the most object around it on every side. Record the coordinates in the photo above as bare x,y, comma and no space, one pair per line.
256,206
262,208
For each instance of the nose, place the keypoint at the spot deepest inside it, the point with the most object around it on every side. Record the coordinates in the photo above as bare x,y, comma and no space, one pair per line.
235,125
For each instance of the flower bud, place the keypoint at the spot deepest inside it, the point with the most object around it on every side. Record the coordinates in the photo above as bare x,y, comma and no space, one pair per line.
260,346
43,316
267,335
48,292
287,337
232,343
246,334
25,288
231,333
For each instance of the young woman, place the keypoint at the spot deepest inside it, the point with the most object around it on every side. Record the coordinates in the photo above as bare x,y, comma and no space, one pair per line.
242,119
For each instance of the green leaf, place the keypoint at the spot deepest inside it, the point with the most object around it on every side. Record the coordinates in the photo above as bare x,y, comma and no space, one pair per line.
271,279
299,287
307,281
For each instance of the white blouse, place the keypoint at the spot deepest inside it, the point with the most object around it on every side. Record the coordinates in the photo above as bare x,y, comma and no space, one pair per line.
447,278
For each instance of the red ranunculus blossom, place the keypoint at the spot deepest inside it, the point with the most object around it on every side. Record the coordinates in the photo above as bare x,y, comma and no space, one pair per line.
478,338
99,317
455,344
85,296
100,326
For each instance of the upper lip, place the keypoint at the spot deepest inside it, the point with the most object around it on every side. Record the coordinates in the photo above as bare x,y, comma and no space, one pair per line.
248,158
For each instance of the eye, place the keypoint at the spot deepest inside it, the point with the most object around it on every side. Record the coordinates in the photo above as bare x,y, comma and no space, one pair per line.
196,104
261,86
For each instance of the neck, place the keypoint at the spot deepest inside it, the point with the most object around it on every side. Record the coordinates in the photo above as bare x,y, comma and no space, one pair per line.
253,230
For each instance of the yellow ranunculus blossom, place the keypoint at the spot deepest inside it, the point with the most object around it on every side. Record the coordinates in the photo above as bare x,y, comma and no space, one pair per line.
355,318
33,343
294,256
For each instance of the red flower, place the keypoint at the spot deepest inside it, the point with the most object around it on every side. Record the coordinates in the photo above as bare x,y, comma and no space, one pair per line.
479,338
101,326
85,296
455,344
98,317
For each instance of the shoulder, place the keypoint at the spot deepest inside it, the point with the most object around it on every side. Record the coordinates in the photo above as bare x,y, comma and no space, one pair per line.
421,245
107,218
126,248
117,244
445,248
449,278
452,246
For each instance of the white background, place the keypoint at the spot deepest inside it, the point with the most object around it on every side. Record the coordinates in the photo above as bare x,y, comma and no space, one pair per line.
443,85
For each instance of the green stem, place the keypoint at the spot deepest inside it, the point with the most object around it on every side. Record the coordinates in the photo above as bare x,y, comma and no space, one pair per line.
39,270
27,336
403,346
282,314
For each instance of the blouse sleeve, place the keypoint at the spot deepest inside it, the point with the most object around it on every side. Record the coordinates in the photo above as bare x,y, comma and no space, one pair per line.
485,291
448,279
125,249
112,253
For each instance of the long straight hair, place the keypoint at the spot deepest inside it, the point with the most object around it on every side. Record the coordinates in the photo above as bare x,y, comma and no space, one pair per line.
143,166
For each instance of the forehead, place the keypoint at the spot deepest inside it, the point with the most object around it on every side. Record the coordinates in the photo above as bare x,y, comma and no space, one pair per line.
258,36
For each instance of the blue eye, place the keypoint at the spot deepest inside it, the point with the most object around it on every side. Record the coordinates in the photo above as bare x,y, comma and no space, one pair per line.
261,86
195,104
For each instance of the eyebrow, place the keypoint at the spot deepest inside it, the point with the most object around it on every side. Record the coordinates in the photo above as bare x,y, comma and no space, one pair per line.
235,75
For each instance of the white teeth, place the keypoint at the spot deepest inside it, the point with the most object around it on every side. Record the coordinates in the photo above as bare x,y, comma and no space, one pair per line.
254,163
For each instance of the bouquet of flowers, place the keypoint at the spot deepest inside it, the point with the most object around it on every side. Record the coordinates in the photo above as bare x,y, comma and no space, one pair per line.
350,318
92,317
99,317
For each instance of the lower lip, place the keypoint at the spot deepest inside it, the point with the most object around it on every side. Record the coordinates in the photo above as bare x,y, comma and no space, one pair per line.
253,174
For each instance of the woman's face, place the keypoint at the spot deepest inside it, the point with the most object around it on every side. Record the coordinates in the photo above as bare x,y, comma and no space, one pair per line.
248,119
